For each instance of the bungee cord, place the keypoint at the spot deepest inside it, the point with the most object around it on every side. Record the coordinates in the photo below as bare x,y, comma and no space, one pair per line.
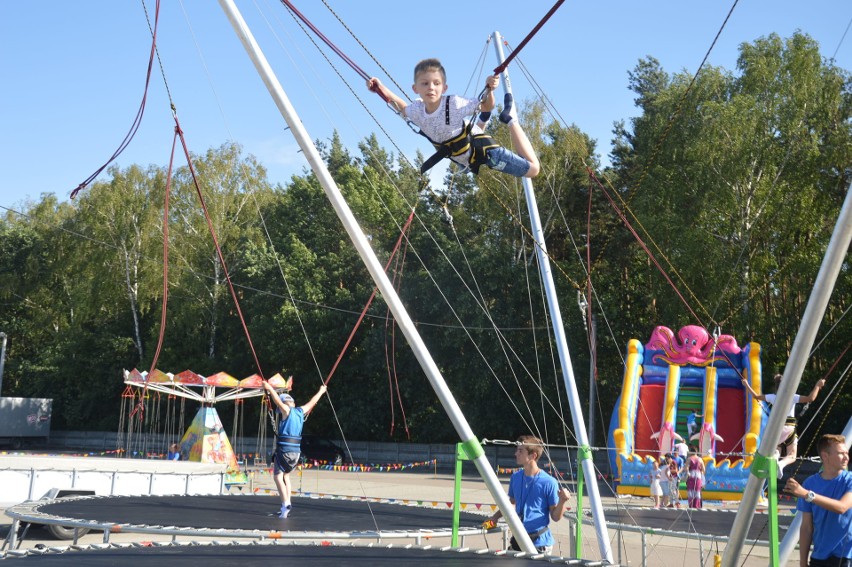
137,120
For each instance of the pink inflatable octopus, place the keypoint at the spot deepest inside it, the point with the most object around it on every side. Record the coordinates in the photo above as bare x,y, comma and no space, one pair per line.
693,345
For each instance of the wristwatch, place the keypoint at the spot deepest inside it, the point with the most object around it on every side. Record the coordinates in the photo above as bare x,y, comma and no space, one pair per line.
810,497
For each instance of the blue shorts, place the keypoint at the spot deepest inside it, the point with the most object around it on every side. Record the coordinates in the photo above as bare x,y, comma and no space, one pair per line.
501,159
285,462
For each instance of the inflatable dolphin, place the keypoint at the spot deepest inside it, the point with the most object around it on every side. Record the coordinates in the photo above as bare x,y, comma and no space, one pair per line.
707,438
665,438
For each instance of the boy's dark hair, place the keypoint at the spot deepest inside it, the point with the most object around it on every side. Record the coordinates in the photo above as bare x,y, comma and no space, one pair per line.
430,64
829,439
532,444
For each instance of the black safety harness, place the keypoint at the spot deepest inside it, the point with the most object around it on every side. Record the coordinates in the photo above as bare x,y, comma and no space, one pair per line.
478,144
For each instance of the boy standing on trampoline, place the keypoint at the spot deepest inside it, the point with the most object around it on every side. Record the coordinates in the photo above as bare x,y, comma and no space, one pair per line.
288,440
535,494
441,119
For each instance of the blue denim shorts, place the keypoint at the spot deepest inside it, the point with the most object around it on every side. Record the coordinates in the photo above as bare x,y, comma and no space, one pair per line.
501,159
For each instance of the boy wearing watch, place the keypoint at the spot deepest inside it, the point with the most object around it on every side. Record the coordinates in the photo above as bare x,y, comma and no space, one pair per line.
825,501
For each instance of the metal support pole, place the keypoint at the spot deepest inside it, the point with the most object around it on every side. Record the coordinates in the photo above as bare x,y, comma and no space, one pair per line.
773,512
2,359
368,256
562,346
460,455
578,537
834,257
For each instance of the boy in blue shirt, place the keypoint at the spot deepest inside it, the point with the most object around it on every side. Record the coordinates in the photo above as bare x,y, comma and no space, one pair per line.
441,119
535,494
288,440
825,501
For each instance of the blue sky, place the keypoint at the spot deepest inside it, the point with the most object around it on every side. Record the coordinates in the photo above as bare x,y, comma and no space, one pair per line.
73,72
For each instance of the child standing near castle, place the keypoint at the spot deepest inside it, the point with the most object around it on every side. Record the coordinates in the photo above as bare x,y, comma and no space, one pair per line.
656,483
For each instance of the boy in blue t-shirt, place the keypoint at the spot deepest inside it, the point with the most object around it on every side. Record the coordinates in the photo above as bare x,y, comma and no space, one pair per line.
288,440
825,501
535,494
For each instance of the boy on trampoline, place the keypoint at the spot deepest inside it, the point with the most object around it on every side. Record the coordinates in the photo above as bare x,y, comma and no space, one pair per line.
537,497
288,440
441,119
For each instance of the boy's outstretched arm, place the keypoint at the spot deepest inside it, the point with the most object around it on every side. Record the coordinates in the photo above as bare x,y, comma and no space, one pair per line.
748,387
313,401
393,99
814,393
273,395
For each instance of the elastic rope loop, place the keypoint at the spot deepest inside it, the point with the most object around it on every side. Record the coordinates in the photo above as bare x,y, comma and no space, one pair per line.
166,200
137,121
219,253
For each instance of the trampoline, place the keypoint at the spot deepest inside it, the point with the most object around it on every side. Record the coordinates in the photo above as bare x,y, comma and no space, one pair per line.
271,553
247,516
315,533
704,521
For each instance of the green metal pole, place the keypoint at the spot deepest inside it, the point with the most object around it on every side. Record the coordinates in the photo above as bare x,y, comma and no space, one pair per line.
584,452
578,545
460,455
766,468
774,542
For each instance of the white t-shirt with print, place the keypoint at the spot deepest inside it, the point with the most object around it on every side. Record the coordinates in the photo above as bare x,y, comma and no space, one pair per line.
435,124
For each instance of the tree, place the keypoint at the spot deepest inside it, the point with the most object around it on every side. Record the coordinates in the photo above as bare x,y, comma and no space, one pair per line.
738,180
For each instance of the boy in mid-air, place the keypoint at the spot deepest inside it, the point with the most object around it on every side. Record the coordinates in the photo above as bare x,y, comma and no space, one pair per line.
442,119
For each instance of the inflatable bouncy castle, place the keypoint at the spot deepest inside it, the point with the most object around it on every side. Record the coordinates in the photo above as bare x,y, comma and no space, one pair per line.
689,377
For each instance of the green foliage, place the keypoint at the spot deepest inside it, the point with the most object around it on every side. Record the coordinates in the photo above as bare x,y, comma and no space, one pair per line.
737,183
734,181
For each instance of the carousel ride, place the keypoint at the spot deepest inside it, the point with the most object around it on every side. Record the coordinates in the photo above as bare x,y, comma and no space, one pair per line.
205,439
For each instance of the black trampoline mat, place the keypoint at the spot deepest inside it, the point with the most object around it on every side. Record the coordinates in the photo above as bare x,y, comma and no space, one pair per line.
709,522
242,555
249,512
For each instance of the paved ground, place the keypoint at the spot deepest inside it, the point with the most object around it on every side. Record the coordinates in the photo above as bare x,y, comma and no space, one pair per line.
437,489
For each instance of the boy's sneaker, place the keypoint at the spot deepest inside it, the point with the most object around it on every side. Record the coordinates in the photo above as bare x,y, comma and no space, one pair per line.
285,511
508,114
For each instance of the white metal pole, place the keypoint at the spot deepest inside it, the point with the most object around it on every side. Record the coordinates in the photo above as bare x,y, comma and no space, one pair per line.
562,346
828,271
2,358
375,268
791,538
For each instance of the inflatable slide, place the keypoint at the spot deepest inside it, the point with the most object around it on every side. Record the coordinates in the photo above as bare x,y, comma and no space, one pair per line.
671,378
